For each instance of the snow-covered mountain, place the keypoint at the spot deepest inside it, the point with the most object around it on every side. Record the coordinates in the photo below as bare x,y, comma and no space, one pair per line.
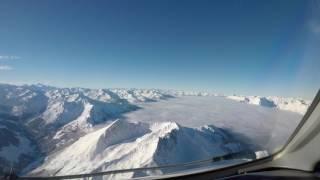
55,117
42,126
125,145
297,105
16,146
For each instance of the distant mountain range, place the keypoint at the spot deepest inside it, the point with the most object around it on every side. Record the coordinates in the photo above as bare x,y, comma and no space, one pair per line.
46,130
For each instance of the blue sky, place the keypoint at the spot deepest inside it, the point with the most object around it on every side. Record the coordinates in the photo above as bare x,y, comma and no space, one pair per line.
266,47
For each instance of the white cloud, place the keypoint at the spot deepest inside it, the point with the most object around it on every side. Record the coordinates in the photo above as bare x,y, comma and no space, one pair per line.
5,68
5,59
8,57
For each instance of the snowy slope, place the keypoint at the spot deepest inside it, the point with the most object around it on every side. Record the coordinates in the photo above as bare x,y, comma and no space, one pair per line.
17,149
114,147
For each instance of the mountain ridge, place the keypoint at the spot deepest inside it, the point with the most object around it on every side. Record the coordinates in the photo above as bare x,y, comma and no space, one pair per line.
55,118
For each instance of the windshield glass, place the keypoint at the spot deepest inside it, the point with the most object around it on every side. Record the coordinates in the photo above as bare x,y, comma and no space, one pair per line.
95,86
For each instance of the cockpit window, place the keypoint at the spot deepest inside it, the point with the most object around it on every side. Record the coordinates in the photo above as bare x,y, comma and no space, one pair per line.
152,87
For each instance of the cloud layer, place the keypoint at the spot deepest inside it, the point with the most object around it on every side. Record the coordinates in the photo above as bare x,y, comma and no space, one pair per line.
6,58
5,68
